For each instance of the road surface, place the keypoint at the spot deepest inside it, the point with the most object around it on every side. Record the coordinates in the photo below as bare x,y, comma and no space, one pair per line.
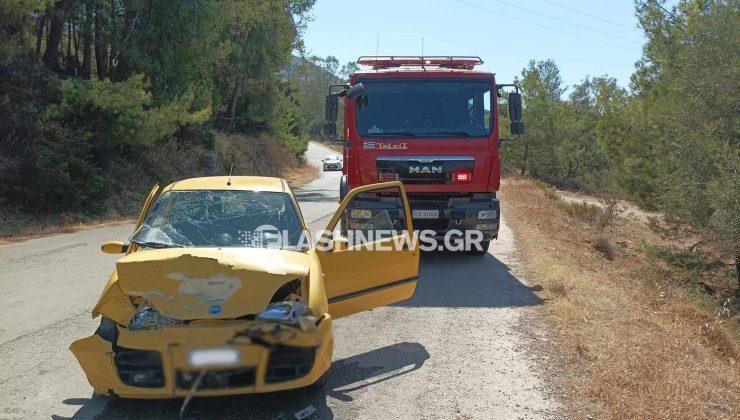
457,349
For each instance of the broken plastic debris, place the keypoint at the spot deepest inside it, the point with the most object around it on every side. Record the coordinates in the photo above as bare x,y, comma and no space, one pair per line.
305,413
288,312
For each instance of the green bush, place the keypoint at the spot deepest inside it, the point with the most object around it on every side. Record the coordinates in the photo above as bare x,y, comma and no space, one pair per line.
59,175
120,114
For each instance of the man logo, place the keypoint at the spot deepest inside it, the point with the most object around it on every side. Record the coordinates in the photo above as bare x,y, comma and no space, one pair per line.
425,170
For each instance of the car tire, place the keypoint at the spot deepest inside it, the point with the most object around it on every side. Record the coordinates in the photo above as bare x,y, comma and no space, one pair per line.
479,252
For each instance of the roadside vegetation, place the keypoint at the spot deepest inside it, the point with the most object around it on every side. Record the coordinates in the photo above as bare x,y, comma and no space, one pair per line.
669,145
640,327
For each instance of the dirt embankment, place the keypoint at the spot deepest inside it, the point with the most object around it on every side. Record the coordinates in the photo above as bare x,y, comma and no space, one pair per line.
635,335
163,163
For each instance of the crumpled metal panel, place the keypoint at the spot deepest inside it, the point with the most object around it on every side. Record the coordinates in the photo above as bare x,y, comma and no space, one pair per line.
205,283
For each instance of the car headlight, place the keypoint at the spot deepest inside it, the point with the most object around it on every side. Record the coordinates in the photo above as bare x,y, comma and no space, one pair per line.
289,312
148,318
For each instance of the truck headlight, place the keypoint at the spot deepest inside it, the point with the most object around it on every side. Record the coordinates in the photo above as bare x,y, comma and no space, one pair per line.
487,214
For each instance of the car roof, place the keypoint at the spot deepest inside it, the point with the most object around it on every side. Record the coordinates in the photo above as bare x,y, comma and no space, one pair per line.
237,183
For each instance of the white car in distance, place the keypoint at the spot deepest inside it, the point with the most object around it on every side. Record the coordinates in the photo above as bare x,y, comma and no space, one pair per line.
332,163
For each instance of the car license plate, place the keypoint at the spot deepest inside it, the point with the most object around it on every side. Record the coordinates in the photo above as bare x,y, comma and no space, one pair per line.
425,214
214,357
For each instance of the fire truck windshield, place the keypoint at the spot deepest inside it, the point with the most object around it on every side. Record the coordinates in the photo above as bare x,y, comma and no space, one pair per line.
426,108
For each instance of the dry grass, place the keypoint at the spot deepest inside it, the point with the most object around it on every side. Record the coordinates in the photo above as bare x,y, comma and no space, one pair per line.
337,146
261,156
605,246
629,344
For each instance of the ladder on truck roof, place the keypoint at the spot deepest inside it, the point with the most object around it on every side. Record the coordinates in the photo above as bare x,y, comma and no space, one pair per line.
450,62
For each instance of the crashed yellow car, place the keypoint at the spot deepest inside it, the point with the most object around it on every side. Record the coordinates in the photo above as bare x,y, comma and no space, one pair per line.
220,293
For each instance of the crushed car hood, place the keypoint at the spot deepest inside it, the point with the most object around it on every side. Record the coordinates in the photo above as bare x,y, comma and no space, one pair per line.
208,283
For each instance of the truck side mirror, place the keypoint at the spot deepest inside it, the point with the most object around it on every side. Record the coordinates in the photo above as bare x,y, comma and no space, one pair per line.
330,130
332,108
517,128
515,107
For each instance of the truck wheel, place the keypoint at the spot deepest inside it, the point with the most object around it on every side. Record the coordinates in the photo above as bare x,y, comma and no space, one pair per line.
484,251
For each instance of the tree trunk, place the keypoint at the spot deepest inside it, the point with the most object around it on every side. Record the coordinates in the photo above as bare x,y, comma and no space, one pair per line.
101,47
86,71
70,34
56,29
40,34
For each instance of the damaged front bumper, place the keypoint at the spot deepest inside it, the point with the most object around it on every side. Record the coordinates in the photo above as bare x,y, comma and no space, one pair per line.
156,364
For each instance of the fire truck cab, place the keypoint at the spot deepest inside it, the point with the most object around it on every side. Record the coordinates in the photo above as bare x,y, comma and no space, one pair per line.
431,123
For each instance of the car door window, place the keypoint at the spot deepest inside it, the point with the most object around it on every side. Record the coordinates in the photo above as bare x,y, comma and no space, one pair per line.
372,217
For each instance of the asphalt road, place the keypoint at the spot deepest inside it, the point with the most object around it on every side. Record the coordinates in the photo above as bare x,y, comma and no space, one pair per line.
457,349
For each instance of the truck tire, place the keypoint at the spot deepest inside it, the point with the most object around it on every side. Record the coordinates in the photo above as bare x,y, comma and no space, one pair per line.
482,252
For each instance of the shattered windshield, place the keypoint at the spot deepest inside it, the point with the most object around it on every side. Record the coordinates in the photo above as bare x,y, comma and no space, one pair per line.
213,218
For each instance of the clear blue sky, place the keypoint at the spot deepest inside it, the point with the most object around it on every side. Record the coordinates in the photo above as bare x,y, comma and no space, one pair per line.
487,28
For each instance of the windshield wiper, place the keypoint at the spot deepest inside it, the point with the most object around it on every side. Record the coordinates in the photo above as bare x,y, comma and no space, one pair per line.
152,244
393,133
449,133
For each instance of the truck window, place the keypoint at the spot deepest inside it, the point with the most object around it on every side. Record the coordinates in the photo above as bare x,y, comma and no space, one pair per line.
426,109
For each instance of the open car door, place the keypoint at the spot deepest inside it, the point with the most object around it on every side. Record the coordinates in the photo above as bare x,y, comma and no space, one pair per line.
372,260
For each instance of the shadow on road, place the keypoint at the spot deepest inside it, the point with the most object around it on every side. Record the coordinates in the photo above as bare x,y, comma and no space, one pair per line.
449,279
345,377
317,196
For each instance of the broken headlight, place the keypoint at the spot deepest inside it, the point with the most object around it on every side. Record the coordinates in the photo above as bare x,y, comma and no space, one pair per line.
148,318
289,312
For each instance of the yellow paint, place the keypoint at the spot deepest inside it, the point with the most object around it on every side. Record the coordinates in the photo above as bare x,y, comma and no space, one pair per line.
242,280
183,283
373,265
246,183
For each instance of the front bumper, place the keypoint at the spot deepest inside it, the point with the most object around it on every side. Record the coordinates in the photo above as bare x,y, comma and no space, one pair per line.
452,214
154,364
462,217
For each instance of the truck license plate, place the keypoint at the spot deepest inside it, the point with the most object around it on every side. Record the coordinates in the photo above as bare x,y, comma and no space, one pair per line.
425,214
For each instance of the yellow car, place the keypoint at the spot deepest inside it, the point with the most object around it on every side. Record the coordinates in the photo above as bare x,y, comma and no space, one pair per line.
222,292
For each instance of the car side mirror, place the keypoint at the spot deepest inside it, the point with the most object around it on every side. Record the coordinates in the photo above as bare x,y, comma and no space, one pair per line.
515,107
114,247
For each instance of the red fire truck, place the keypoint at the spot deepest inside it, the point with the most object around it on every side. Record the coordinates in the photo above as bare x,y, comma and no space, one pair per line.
432,123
